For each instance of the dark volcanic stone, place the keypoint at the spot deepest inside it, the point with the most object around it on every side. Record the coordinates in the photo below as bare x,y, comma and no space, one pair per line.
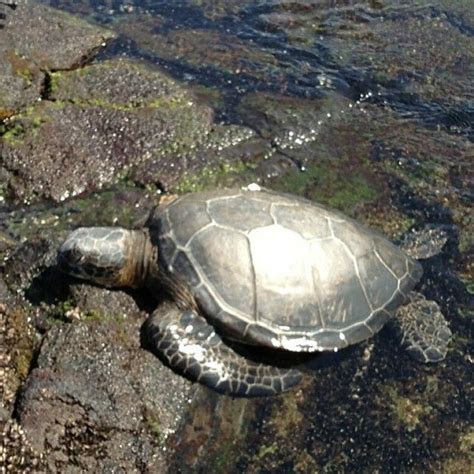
97,401
53,39
119,83
36,38
113,121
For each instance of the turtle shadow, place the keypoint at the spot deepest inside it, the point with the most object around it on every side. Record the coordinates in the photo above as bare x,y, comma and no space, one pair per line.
49,287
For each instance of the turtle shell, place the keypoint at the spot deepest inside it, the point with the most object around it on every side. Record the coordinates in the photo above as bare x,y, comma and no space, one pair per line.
280,271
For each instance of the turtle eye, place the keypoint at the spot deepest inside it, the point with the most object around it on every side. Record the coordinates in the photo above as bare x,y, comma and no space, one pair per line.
74,255
69,259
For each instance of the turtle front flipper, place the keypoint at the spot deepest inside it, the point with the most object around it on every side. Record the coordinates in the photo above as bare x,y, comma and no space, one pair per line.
424,329
189,345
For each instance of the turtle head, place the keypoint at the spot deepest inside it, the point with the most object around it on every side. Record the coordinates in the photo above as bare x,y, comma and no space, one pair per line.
108,256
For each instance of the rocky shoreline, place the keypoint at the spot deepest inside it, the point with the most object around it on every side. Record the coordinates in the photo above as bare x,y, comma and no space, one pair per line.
85,142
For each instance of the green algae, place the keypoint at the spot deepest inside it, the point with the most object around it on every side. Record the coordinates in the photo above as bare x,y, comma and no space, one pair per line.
78,87
225,458
96,315
110,207
286,416
266,450
21,67
22,354
407,413
124,205
129,86
211,177
418,172
14,135
28,123
387,220
115,323
463,459
467,278
153,423
329,185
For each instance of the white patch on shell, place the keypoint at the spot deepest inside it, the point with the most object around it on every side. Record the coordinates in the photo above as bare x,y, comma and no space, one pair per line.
299,344
275,342
253,187
342,337
188,329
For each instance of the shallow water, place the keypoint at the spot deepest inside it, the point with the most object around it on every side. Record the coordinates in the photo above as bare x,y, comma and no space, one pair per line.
411,57
368,107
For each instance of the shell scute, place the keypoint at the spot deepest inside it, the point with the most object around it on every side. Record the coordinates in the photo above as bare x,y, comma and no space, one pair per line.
378,281
251,213
303,220
282,274
389,255
183,266
342,297
377,320
222,258
191,217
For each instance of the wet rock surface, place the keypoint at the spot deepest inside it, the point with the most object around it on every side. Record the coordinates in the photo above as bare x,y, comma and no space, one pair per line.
108,123
93,400
317,100
81,389
64,42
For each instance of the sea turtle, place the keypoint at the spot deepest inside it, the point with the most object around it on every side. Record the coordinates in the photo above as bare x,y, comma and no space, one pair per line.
260,268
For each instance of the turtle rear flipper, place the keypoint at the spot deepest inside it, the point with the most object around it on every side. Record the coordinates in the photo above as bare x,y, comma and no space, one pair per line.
424,243
424,329
189,344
